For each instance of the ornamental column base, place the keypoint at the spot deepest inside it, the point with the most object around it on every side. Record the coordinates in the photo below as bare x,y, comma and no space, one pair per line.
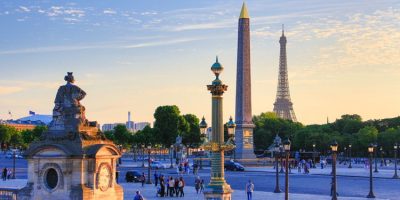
218,191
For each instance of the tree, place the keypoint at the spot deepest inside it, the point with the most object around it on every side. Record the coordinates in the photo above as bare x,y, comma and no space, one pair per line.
366,136
5,135
168,124
268,125
191,137
145,137
121,135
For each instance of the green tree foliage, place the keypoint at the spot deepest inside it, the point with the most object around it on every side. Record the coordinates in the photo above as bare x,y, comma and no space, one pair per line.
29,136
145,137
366,136
121,135
168,124
191,136
5,134
268,125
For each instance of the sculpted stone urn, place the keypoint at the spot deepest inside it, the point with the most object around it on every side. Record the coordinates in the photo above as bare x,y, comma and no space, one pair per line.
73,159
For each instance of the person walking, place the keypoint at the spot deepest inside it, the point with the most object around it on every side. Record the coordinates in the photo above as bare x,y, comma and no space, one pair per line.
176,187
166,186
181,185
9,174
171,184
138,196
156,178
143,179
162,186
201,185
249,190
197,185
4,174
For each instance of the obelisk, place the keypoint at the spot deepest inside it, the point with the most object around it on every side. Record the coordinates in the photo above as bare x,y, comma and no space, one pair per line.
243,116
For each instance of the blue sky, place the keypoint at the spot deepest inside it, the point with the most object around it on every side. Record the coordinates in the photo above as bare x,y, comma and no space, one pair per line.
343,56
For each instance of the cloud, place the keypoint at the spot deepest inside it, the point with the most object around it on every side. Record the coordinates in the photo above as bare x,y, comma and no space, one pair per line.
161,43
115,45
24,9
4,90
109,11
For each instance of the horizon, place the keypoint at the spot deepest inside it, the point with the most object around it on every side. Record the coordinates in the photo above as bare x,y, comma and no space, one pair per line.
136,56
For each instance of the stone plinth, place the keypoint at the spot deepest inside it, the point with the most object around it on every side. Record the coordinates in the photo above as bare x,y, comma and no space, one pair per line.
73,159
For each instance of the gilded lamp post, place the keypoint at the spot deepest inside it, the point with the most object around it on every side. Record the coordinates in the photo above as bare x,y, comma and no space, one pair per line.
217,188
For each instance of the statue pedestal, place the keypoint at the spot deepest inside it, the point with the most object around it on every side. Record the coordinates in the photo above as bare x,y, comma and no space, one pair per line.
72,160
56,171
218,192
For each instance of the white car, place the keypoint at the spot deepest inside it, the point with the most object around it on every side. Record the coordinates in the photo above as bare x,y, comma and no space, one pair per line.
157,165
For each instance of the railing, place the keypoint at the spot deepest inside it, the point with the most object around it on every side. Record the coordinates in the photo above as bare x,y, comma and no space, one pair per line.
8,194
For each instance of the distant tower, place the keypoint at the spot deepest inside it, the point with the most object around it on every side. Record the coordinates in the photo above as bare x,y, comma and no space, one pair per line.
243,117
283,106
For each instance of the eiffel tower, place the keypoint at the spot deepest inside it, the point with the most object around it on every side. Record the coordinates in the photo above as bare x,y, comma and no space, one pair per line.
283,106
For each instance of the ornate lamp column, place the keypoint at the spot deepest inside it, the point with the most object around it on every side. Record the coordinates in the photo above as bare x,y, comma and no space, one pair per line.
171,152
203,129
142,155
395,161
231,132
313,155
350,156
276,152
286,146
375,157
370,151
149,167
334,147
217,188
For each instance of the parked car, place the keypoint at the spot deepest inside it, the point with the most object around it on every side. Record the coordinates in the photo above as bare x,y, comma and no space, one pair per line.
233,166
157,165
132,176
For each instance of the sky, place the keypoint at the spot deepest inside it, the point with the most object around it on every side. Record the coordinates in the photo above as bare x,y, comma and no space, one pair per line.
343,56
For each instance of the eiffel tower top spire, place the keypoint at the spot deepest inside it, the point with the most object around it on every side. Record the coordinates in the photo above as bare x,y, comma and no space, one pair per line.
283,106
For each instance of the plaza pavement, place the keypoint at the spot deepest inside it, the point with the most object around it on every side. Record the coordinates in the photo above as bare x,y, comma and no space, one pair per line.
356,171
149,192
342,170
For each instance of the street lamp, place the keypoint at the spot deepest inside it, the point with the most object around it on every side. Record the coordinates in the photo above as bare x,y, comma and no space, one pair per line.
14,150
313,155
395,161
142,155
334,147
231,132
375,157
148,168
171,152
281,157
286,146
203,128
218,188
350,156
370,151
276,151
345,155
134,152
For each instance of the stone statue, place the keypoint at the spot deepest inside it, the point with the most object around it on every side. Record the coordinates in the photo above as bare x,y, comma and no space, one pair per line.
178,140
68,113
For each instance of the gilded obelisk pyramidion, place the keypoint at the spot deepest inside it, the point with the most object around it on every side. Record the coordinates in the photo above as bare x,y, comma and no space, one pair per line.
243,116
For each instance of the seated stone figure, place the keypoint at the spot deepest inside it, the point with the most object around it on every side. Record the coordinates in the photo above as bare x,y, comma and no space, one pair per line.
68,113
